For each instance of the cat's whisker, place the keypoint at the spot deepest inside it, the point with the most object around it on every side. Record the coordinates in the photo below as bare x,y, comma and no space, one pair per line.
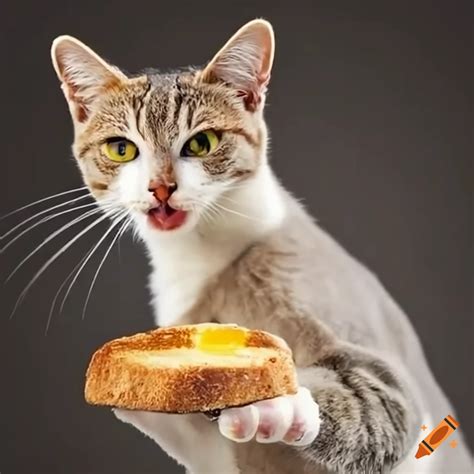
214,212
233,211
207,217
42,221
116,221
227,198
236,186
55,257
63,284
57,206
233,201
51,237
104,258
16,211
209,214
218,211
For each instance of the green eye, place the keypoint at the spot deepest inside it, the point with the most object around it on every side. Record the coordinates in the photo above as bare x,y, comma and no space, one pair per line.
120,150
202,144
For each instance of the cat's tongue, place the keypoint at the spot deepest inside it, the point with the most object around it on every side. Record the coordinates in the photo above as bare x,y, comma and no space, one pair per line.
164,217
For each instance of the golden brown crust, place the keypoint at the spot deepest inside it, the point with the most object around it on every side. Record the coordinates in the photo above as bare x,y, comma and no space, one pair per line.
116,378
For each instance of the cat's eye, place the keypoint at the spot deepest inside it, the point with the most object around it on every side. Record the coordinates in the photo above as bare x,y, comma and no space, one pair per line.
201,144
120,150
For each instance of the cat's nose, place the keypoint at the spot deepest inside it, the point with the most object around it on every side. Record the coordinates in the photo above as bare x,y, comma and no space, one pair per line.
162,192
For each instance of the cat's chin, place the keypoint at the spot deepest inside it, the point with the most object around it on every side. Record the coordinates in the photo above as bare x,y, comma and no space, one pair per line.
166,218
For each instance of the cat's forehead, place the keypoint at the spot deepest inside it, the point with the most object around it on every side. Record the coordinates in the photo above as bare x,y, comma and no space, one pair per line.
180,102
165,106
169,92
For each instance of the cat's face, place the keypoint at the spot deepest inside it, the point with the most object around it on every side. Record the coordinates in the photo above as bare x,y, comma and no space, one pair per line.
167,147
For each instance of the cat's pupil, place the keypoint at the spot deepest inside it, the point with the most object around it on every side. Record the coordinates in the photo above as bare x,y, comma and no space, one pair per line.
122,147
202,142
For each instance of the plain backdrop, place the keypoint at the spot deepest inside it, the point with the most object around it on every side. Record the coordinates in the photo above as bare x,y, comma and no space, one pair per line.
369,109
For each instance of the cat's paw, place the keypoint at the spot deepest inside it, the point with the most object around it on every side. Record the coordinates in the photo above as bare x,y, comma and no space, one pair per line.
292,419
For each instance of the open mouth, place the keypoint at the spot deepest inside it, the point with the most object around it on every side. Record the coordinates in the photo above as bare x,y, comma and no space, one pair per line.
164,217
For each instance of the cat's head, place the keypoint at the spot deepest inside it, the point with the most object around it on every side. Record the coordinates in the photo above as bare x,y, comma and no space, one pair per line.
166,147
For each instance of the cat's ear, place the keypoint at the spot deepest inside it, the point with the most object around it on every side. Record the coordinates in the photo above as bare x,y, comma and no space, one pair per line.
84,75
245,62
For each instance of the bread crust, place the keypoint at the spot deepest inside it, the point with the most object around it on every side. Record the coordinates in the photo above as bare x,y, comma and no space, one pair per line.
118,379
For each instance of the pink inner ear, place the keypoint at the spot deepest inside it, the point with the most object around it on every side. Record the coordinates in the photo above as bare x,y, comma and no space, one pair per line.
79,106
251,99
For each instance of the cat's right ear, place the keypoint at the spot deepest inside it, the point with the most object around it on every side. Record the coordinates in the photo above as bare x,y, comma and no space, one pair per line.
83,74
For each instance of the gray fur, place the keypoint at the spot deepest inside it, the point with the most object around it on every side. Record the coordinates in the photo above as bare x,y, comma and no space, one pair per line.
300,284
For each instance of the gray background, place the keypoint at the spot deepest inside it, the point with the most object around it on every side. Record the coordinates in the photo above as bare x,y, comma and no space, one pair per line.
369,111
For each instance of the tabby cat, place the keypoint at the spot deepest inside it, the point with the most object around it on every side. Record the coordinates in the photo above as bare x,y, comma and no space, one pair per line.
185,156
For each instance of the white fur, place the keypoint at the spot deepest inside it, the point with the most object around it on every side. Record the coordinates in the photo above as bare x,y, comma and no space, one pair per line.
190,439
184,261
293,420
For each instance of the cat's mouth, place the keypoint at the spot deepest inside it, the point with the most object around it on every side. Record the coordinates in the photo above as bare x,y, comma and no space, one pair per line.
165,217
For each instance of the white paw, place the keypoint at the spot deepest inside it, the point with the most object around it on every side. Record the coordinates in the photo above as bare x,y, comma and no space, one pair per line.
292,419
133,417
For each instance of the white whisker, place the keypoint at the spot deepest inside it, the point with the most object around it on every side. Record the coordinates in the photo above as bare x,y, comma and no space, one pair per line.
217,210
233,211
41,213
42,200
117,236
210,214
206,217
236,185
63,284
51,237
89,256
42,221
54,257
213,214
227,198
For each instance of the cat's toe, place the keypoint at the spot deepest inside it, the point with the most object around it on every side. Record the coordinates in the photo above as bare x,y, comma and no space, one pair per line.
239,424
306,422
275,418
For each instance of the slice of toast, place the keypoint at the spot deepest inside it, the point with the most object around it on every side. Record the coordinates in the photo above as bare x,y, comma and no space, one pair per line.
193,368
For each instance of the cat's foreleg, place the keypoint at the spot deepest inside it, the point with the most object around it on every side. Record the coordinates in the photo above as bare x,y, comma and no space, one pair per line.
368,419
368,411
192,440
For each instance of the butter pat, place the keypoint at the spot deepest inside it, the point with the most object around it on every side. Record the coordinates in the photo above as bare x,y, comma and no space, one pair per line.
221,340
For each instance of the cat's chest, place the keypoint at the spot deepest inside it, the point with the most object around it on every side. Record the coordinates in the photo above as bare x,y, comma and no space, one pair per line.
177,285
172,300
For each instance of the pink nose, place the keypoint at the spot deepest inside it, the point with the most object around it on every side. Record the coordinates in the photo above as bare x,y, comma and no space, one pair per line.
162,192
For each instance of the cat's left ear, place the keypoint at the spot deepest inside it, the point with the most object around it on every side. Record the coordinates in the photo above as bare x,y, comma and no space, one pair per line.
84,75
245,62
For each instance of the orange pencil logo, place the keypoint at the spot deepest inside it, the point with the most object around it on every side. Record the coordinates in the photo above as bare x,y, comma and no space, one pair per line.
445,429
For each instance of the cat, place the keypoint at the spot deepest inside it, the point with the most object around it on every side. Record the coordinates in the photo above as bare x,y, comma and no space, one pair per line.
185,156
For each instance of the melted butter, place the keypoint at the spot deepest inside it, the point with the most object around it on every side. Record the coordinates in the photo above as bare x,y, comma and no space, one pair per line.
224,340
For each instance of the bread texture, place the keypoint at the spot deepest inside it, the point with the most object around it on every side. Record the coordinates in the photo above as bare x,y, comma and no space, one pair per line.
192,368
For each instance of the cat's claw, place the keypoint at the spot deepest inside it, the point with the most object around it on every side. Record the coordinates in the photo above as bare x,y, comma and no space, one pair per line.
292,419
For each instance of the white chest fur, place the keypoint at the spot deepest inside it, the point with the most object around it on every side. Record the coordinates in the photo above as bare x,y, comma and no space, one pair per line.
180,273
184,263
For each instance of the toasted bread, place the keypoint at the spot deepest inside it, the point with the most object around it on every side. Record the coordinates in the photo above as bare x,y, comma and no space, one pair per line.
192,368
